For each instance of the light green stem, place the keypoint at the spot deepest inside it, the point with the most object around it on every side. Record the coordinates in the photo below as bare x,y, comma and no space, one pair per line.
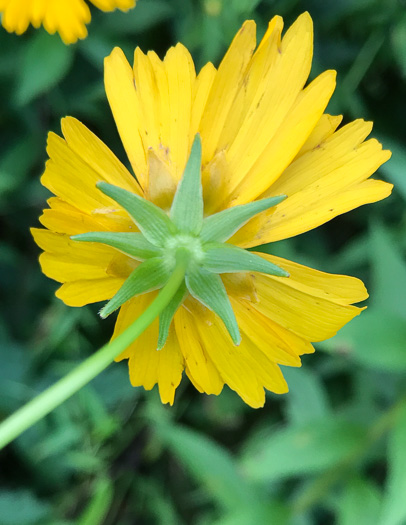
51,398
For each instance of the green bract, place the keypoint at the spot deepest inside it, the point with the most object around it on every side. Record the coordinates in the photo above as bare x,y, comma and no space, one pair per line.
184,234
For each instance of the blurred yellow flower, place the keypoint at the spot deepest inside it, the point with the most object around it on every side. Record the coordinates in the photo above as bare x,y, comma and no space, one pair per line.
263,134
67,17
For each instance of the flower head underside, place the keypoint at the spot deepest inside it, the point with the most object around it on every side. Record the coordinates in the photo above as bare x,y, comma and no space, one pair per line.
272,165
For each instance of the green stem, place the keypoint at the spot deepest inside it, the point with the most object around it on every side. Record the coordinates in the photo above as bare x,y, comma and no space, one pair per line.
51,398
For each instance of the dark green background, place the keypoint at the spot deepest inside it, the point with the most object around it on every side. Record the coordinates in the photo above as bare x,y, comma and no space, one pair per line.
333,450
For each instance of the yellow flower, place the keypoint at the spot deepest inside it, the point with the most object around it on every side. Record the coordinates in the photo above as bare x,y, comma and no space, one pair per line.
263,134
67,17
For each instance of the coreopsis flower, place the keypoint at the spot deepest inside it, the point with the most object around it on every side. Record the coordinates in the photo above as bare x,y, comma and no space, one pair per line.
67,17
222,161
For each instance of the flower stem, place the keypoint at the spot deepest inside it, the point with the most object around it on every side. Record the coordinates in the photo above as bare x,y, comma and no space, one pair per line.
55,395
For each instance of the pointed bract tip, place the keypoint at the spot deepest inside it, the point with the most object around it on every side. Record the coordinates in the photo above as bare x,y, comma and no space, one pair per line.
236,338
100,184
102,313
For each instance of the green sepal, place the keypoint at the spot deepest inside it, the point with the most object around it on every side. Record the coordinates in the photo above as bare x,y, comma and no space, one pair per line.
208,288
150,275
187,206
227,258
133,244
222,225
167,314
151,220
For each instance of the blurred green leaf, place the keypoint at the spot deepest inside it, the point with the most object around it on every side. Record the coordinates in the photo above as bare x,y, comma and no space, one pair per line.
46,60
15,163
376,339
146,15
13,371
274,512
306,400
99,505
359,503
210,464
302,449
394,503
394,169
21,507
389,272
398,37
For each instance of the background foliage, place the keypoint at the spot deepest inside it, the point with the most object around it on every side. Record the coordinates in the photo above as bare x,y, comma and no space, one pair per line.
333,449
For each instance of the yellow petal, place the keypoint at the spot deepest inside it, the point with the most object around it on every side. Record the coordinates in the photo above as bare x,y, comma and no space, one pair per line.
200,368
97,155
322,183
270,97
276,23
69,176
68,17
192,380
227,82
290,137
339,191
171,365
264,334
201,90
63,269
180,72
64,218
127,113
161,182
338,150
81,252
325,127
339,288
268,373
306,310
79,293
147,365
66,260
110,5
231,362
254,96
147,72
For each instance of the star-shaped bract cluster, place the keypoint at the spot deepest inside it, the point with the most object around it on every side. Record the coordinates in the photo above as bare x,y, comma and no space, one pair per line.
200,242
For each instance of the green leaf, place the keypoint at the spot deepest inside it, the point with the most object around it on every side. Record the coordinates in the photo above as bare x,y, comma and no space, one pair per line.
222,225
394,508
389,272
151,220
100,503
133,244
22,507
360,503
226,258
187,207
167,314
398,37
302,449
45,62
150,275
376,339
210,464
145,17
394,168
208,288
307,399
